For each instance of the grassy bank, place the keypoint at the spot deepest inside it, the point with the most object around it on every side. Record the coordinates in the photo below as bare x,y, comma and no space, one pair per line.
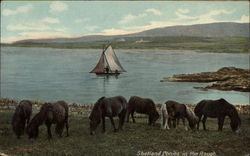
135,137
200,44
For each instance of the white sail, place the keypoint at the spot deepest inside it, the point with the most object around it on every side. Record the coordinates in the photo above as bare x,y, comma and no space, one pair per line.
112,60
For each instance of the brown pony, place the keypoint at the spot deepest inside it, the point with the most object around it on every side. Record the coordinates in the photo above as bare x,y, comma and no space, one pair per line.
108,107
179,111
21,117
217,109
144,106
50,113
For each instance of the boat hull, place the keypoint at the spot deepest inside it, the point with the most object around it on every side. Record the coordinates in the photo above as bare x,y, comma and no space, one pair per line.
107,74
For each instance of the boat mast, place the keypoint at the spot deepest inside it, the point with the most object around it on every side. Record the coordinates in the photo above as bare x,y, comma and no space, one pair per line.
105,58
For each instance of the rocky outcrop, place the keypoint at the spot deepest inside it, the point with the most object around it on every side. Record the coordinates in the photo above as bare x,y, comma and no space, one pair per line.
227,78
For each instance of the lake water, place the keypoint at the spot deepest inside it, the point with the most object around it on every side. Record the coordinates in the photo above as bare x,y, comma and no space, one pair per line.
47,74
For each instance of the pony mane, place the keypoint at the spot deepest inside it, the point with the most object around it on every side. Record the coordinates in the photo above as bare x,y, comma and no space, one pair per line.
233,112
222,100
96,108
38,119
190,114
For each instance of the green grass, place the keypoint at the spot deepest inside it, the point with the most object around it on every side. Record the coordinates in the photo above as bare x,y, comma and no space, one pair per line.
135,137
200,44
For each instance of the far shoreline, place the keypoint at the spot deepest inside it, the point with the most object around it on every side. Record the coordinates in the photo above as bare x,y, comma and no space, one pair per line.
197,44
96,48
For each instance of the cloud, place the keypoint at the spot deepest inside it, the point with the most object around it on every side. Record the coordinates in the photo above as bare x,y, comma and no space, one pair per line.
243,19
182,16
154,11
41,35
208,17
80,20
90,28
35,35
183,11
213,13
129,18
180,13
201,19
35,31
18,10
50,20
39,27
58,7
114,31
27,27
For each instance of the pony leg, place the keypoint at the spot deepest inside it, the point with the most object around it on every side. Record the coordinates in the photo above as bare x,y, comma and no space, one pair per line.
122,116
149,120
127,115
59,129
198,124
184,123
103,124
49,130
174,122
163,124
204,122
220,123
170,122
28,120
178,121
67,127
166,123
113,123
132,114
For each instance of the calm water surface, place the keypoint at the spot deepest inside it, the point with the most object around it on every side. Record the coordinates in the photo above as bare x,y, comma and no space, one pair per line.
47,74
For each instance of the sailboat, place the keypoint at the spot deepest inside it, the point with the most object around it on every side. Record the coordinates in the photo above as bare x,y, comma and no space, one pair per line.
108,63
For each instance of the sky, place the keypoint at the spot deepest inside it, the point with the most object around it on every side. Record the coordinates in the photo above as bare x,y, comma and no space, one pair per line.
53,19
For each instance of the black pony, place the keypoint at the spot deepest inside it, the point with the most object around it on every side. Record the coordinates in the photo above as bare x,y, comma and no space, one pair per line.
50,113
21,117
110,107
217,109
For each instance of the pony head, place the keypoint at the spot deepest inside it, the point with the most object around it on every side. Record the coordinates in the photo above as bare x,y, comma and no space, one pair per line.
235,119
95,116
155,116
235,124
33,127
192,118
32,131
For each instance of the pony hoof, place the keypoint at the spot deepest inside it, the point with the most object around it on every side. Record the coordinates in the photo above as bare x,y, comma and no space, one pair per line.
116,130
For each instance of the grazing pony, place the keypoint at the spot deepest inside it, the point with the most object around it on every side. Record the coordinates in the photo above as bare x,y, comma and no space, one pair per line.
108,107
143,106
21,117
50,113
179,111
217,109
164,117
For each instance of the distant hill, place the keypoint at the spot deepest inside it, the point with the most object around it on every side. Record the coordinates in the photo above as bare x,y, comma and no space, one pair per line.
201,30
213,30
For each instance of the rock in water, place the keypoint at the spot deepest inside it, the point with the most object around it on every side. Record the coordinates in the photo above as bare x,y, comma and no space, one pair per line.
226,78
